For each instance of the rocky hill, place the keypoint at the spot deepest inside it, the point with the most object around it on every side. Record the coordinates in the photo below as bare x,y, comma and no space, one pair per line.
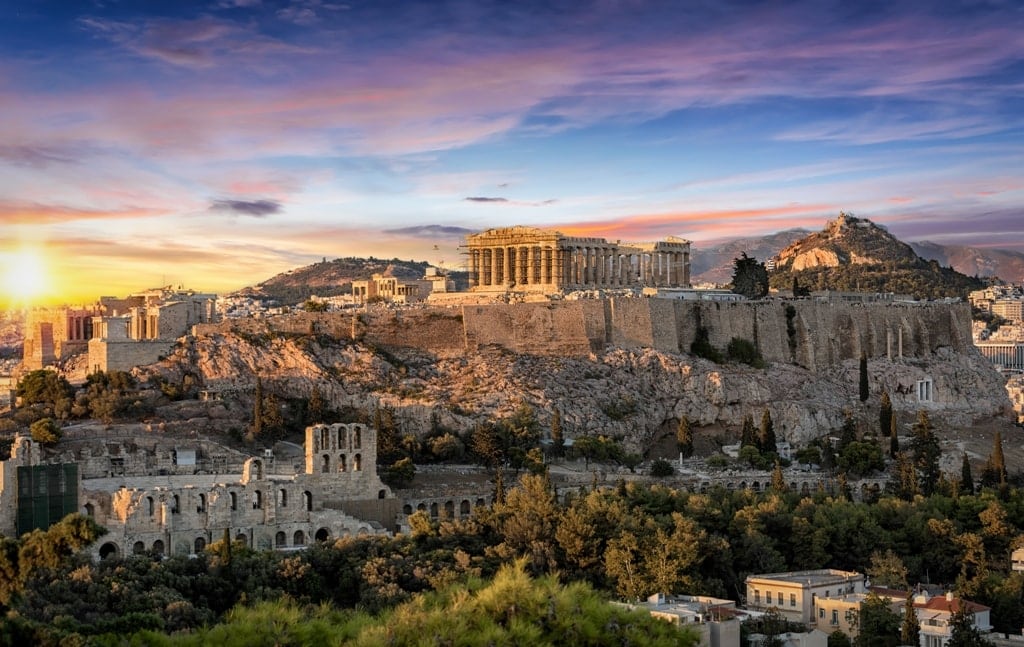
975,261
329,278
855,254
713,264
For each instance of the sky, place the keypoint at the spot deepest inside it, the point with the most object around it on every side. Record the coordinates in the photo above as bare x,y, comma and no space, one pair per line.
215,144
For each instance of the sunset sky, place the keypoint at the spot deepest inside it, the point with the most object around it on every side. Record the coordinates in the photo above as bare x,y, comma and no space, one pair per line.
216,144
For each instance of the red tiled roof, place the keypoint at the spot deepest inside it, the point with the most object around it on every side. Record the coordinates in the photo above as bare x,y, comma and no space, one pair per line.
940,603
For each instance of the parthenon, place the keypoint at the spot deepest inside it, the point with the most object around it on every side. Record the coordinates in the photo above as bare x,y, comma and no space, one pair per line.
541,260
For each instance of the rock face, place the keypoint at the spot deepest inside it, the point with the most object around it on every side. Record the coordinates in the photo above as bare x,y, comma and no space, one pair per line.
631,381
846,240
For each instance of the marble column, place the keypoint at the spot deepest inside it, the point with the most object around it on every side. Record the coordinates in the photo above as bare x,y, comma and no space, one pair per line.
506,265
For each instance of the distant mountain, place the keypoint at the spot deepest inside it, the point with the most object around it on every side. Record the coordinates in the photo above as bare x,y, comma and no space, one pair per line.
855,254
975,261
714,264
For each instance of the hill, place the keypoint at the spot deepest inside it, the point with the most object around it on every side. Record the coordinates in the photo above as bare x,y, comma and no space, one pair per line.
856,255
329,278
714,264
975,261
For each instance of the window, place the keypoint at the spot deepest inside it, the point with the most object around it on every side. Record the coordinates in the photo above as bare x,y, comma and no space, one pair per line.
767,597
284,498
821,613
835,617
757,597
792,599
202,503
234,501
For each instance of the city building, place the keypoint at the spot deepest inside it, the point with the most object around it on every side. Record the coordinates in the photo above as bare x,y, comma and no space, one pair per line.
527,259
842,612
715,620
795,594
1017,559
935,615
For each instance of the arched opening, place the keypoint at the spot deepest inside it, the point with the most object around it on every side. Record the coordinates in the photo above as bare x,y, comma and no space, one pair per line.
175,504
234,501
258,469
199,545
202,503
282,498
242,538
150,506
325,463
755,486
341,438
464,507
433,510
449,509
158,547
324,438
407,509
382,494
108,550
138,548
357,439
279,539
357,463
257,500
299,539
323,535
480,503
341,463
90,510
307,500
422,507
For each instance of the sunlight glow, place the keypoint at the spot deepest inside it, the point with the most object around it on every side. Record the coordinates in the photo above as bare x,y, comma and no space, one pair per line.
24,276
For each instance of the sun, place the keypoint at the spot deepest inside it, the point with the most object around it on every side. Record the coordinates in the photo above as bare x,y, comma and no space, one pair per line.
24,276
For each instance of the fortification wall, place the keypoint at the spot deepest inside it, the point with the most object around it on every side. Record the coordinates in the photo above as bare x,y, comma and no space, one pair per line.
125,355
538,328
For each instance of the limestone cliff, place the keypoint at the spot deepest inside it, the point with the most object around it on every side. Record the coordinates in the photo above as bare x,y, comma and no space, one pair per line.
613,367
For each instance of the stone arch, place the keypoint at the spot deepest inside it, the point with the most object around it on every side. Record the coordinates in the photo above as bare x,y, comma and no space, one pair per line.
175,504
382,494
323,535
325,440
363,531
805,488
480,502
202,503
421,507
357,437
109,549
307,500
357,462
199,545
433,510
257,500
449,509
280,539
138,548
743,485
282,497
150,506
158,547
90,510
325,464
252,470
464,507
299,538
234,500
241,537
341,463
755,486
407,509
340,437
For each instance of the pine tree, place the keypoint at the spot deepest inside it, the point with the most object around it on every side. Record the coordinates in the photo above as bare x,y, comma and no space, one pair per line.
684,438
910,629
766,439
864,388
926,451
848,434
894,439
906,477
998,460
499,487
748,436
966,478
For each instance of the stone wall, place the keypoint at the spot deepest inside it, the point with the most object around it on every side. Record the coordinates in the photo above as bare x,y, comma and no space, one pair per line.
124,355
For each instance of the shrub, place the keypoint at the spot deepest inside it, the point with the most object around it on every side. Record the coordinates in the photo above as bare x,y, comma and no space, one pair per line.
662,468
743,351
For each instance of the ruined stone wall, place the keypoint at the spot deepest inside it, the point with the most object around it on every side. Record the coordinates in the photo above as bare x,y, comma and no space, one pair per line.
124,355
557,328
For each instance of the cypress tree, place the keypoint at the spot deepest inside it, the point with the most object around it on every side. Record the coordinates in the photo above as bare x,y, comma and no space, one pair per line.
684,438
257,411
748,435
894,439
966,478
884,415
926,452
910,629
557,440
998,460
766,439
779,479
864,389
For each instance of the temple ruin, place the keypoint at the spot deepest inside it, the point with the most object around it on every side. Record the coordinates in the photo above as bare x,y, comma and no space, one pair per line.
528,259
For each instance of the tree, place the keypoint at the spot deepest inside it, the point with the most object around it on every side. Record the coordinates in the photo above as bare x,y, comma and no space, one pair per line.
910,629
966,478
878,624
684,438
779,479
43,387
766,438
45,431
926,452
400,474
662,468
994,472
747,435
257,412
894,439
749,277
964,632
864,388
316,407
887,569
557,438
885,415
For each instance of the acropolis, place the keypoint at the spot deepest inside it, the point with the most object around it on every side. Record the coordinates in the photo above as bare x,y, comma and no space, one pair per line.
542,260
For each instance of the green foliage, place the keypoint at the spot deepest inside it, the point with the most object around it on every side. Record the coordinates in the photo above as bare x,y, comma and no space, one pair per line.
620,408
926,452
865,391
701,346
745,352
315,306
43,387
661,468
910,628
684,438
749,277
861,458
766,441
45,431
400,474
878,625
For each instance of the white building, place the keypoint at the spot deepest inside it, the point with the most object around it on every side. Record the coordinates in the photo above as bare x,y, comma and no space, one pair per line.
794,594
935,616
